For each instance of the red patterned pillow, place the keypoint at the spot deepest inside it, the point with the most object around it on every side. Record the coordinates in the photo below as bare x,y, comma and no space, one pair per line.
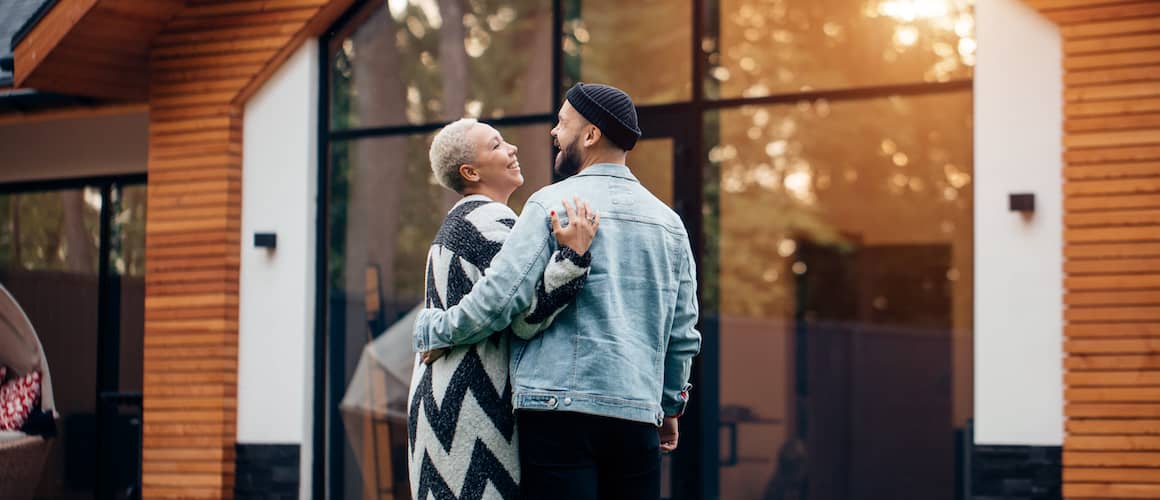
18,397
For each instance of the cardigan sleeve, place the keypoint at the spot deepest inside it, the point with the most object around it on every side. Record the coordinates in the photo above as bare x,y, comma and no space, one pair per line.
563,279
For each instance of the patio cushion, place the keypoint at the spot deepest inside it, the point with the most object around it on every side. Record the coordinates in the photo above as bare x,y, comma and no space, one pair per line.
17,399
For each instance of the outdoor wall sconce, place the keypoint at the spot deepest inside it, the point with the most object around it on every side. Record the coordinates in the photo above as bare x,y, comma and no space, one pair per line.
268,241
1022,202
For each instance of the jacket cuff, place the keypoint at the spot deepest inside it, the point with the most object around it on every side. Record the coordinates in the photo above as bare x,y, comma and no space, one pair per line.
676,407
419,343
420,339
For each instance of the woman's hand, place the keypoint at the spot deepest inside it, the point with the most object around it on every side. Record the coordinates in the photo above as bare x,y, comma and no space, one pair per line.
581,228
432,355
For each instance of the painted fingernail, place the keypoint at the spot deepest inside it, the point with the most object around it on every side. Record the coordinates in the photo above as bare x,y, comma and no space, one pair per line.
553,212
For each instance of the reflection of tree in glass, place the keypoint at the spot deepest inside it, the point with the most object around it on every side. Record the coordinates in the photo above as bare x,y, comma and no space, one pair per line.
768,47
495,61
55,230
882,171
420,212
80,249
128,231
641,46
338,196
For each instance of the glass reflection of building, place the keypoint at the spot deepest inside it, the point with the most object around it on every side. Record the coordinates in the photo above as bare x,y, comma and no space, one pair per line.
821,153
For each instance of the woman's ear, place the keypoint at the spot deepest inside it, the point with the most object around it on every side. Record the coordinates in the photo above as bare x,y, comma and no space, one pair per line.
469,173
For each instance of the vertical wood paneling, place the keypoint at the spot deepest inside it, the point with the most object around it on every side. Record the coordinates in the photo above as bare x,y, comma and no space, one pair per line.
203,66
1111,216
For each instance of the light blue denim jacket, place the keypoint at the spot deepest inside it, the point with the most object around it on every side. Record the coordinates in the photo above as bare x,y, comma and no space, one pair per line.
625,348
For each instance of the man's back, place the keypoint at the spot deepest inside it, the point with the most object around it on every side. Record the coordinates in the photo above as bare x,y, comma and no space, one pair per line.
607,354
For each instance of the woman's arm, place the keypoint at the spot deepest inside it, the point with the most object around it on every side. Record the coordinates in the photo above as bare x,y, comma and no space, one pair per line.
507,289
567,270
562,279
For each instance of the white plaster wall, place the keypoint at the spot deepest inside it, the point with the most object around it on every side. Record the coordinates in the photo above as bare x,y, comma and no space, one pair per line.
276,313
74,147
1018,262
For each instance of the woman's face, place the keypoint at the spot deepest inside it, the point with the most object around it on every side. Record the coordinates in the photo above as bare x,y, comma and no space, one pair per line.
495,163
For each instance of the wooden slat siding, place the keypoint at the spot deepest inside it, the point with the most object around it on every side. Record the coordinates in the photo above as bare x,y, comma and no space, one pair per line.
1111,302
204,65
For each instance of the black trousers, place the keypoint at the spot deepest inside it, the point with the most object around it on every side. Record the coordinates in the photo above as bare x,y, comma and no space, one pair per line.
565,456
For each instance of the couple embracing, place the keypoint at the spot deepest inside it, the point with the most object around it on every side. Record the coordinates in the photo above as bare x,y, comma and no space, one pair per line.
556,345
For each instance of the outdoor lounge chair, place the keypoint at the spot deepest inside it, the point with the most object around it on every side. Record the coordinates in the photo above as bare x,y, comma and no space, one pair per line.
22,455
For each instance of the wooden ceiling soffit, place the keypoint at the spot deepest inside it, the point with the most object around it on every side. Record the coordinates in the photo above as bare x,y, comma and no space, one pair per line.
93,48
328,12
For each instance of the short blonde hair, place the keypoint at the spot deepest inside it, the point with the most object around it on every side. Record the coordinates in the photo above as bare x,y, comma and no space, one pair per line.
449,150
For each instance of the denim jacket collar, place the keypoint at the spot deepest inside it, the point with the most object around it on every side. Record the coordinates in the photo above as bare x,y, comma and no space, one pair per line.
609,170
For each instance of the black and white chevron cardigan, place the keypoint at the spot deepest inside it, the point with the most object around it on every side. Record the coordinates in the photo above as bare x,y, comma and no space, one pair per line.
461,423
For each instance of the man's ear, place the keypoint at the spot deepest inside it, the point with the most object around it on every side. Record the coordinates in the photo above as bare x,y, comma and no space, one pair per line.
592,135
469,173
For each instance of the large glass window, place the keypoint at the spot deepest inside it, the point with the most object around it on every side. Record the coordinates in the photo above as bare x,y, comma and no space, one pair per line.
843,295
820,152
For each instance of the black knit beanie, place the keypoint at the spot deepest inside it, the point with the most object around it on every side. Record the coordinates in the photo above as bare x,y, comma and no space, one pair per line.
610,109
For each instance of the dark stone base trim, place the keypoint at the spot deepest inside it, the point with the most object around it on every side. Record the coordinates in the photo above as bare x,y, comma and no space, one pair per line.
267,471
1016,472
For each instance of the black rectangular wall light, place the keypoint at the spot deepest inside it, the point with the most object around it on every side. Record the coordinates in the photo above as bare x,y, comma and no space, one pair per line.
265,240
1021,202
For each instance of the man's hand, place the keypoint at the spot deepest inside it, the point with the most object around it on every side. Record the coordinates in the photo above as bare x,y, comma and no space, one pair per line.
669,435
432,355
581,229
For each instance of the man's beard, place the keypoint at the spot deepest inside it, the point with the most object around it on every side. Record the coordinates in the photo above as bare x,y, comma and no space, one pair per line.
568,161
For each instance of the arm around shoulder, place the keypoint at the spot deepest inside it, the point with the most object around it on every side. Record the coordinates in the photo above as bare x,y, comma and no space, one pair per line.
505,290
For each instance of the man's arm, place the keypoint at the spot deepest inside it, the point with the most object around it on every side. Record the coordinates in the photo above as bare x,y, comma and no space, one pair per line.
684,341
505,291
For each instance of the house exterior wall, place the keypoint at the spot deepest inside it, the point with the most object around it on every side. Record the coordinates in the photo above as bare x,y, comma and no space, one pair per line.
1018,259
1103,405
276,306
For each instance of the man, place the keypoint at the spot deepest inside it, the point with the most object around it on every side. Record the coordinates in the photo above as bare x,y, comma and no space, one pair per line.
591,391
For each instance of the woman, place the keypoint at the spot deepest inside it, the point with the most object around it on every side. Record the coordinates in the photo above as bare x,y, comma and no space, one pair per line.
461,424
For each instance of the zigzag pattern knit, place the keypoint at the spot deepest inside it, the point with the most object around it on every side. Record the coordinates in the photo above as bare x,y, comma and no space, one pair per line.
461,424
